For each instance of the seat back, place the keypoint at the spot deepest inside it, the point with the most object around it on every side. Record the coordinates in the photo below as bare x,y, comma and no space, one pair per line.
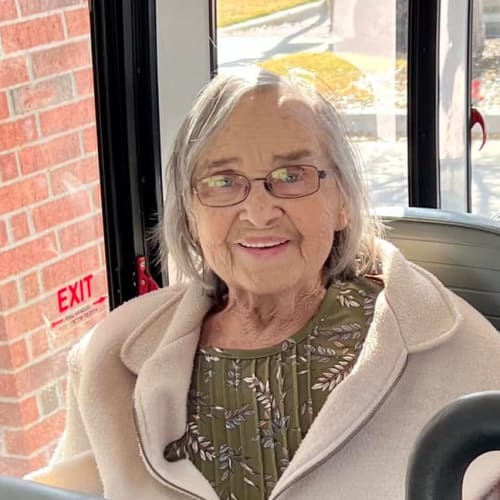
461,250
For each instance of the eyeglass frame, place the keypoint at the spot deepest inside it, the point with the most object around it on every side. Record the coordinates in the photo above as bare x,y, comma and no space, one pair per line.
321,174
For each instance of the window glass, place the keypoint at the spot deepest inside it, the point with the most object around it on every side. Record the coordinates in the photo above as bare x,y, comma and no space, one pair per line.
52,264
357,49
485,98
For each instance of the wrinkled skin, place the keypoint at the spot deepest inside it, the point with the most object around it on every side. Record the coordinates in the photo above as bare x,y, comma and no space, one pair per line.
270,297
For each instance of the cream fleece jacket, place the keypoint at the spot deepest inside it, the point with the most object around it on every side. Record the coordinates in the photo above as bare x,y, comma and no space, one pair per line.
129,379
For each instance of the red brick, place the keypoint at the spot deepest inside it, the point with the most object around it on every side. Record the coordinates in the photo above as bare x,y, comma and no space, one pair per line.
19,413
13,71
19,354
77,22
48,400
90,140
99,284
30,318
26,256
30,286
19,224
75,330
8,167
15,133
62,58
4,364
68,117
85,81
28,441
39,343
29,410
42,94
8,385
23,193
4,105
23,321
96,197
61,211
14,355
18,467
75,175
33,33
7,10
34,6
81,233
9,297
71,268
38,375
49,153
4,237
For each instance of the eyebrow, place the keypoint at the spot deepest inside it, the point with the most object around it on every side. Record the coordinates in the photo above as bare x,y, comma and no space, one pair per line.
291,156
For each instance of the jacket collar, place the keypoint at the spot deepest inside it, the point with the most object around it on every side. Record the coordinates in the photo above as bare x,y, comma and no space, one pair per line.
408,291
422,306
413,313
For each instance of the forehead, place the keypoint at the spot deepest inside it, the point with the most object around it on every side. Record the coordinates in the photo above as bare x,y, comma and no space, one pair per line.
268,121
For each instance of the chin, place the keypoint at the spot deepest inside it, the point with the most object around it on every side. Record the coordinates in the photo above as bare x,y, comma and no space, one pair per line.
269,283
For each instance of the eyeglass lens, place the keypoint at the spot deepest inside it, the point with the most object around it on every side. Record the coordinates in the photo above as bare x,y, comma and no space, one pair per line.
225,189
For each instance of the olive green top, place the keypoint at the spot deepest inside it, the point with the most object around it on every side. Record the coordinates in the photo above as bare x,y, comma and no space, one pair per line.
249,410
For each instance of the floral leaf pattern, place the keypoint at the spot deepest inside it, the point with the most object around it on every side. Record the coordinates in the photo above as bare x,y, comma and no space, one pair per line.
236,417
248,415
234,374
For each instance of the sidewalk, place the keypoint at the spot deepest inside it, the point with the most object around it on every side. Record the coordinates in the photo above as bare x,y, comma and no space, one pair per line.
295,14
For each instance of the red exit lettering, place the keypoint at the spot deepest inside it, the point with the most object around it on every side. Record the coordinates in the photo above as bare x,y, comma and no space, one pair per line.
74,294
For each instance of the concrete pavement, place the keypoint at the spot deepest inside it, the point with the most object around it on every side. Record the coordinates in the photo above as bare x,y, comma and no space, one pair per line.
385,169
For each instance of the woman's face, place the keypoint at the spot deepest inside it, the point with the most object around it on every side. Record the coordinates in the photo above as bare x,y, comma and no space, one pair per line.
266,131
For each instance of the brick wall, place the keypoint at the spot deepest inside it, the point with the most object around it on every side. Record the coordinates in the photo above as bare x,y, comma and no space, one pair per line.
52,275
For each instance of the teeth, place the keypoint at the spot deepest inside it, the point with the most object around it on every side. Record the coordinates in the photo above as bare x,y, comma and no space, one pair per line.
262,245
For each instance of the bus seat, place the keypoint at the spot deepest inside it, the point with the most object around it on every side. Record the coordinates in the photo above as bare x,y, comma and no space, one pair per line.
462,250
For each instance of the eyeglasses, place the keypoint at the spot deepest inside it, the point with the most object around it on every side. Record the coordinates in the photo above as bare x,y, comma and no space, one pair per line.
226,189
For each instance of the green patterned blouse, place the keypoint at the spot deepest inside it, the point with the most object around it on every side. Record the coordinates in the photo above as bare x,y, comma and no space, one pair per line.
249,410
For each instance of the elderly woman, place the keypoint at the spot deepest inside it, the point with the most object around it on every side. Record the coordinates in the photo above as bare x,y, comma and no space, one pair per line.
303,355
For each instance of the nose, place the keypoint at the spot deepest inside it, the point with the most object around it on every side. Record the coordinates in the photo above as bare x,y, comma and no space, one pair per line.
260,208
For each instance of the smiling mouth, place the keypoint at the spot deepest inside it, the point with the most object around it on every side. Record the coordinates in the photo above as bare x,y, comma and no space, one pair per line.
263,245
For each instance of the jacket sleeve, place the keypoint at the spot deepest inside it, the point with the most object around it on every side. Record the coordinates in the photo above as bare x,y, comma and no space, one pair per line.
72,465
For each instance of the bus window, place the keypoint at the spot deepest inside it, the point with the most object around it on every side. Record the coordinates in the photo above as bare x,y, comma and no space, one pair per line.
52,262
485,97
356,51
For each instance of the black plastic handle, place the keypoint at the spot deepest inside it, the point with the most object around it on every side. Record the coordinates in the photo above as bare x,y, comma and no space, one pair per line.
451,440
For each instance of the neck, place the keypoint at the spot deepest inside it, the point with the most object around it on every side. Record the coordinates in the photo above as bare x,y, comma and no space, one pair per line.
250,321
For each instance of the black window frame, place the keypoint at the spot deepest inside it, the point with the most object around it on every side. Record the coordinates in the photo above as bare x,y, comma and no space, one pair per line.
124,54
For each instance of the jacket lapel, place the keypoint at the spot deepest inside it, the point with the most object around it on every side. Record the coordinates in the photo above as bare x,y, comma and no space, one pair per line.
164,377
351,403
413,313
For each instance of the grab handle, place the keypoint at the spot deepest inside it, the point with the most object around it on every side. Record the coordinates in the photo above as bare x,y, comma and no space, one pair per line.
451,440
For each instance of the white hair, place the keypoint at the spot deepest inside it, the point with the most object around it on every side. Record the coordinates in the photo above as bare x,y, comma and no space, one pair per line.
354,249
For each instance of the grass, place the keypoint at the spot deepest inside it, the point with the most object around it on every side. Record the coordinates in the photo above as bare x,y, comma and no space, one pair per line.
342,75
330,72
236,11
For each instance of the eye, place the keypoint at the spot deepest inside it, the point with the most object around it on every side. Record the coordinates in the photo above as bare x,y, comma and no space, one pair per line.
219,181
287,175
